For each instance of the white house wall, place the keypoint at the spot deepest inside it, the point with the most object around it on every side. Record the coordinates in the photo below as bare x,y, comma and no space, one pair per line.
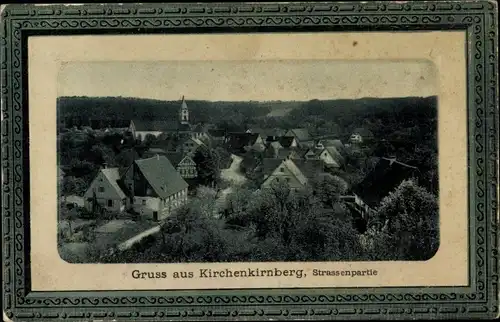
145,206
142,134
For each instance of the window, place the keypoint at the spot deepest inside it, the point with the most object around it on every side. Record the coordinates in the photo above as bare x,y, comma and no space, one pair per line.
101,189
282,169
144,202
287,179
110,203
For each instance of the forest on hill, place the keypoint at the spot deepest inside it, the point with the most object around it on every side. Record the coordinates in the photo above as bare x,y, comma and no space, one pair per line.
126,108
321,117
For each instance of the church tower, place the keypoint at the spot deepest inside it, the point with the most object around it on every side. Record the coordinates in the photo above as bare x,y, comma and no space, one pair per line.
184,112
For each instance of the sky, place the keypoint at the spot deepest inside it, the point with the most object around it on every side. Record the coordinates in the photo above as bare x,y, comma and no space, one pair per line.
249,80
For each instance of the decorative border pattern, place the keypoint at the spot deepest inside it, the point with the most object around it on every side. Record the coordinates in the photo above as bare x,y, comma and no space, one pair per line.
479,300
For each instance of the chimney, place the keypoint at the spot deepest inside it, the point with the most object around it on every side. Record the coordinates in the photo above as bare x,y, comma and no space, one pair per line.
157,157
105,165
182,97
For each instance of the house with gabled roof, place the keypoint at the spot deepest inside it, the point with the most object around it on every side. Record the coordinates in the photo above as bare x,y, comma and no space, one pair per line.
217,136
155,188
184,164
378,183
311,168
323,143
201,131
273,149
360,135
191,145
240,142
296,173
302,136
141,128
268,135
106,192
331,157
287,172
288,141
312,154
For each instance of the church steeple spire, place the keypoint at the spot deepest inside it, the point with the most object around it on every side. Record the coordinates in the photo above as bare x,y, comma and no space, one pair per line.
184,112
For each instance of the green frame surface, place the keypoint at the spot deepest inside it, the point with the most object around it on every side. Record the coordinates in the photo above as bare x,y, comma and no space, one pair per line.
478,300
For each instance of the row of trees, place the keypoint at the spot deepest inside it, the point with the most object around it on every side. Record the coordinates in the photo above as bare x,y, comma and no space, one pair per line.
278,224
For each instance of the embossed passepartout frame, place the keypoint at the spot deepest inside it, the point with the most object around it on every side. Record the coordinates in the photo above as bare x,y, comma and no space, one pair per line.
478,300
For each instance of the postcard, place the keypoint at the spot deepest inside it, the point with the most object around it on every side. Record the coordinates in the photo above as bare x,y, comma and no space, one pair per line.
250,161
254,167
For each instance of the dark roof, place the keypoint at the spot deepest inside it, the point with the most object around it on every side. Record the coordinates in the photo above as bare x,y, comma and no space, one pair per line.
288,152
384,178
301,134
249,161
217,133
104,124
286,141
175,158
239,140
284,153
335,143
269,165
161,175
204,128
265,133
363,132
310,168
145,125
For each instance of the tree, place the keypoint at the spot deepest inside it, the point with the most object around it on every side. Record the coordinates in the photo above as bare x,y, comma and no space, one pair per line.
190,236
126,157
225,159
150,140
73,186
238,206
329,189
207,165
205,201
409,216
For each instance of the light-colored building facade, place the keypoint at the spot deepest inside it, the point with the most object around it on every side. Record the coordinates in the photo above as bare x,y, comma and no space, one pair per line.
156,187
106,192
